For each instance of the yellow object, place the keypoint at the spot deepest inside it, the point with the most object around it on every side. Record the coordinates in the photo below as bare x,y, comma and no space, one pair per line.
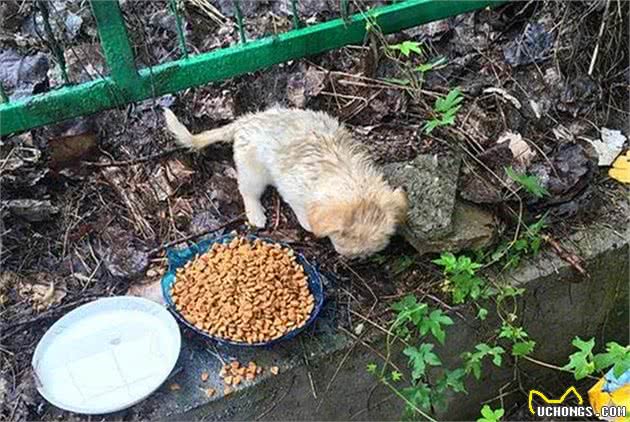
533,393
619,397
621,168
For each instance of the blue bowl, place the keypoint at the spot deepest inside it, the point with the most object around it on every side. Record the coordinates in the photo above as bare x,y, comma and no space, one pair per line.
179,257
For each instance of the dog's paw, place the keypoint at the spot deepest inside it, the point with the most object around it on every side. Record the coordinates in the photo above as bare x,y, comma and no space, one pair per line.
257,219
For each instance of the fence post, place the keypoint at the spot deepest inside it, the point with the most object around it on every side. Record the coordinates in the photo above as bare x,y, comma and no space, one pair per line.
116,47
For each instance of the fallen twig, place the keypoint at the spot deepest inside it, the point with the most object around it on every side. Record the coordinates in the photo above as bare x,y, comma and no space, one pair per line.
599,38
574,260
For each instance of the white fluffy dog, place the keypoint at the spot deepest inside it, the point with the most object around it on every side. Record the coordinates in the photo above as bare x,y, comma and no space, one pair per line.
327,178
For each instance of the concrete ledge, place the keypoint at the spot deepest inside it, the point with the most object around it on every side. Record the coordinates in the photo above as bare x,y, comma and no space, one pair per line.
322,373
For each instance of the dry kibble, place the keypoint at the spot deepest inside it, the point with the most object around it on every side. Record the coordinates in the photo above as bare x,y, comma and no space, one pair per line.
274,370
174,387
204,376
245,291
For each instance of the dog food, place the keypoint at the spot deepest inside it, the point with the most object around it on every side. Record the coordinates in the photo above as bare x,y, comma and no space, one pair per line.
244,291
233,373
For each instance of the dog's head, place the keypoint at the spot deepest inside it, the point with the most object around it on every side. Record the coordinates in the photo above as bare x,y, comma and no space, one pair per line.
361,227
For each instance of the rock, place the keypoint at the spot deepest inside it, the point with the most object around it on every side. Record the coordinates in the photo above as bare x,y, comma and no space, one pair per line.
32,209
431,183
437,221
472,228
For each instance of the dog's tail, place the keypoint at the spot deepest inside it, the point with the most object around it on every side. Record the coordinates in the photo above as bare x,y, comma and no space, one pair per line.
201,140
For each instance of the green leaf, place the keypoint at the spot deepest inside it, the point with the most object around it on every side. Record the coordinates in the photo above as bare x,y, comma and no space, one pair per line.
434,323
455,379
473,360
616,355
497,355
371,368
427,67
584,346
523,348
419,395
447,260
407,47
482,313
581,362
489,415
396,376
419,358
511,332
530,183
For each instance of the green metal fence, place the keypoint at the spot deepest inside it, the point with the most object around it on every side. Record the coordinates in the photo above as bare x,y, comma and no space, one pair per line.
127,84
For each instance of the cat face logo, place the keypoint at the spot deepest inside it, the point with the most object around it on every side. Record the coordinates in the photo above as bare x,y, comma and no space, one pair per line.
570,390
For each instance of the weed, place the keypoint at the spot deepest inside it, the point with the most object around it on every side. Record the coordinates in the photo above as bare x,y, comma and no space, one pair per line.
489,415
445,110
528,182
460,277
406,48
510,253
584,363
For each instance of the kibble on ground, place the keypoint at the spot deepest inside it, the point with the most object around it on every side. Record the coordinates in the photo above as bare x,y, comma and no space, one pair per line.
244,291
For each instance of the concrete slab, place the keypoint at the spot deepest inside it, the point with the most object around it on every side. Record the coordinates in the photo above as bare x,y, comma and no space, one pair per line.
322,372
431,185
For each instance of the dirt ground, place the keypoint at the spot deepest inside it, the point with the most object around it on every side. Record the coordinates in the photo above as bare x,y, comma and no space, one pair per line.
104,196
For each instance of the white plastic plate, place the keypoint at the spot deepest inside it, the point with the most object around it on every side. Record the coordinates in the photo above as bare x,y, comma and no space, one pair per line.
106,355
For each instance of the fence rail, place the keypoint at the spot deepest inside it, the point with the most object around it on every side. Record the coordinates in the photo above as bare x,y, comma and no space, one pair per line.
127,84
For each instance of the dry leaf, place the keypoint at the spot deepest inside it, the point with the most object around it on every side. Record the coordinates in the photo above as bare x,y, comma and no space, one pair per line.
620,170
274,370
204,376
520,149
609,147
42,290
210,392
174,387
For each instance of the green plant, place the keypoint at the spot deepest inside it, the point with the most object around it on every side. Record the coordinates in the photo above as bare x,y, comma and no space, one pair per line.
473,359
521,344
489,415
584,363
445,110
460,277
528,182
414,322
406,48
510,253
427,67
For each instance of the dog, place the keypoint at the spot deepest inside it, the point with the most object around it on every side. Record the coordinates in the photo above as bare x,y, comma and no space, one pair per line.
326,177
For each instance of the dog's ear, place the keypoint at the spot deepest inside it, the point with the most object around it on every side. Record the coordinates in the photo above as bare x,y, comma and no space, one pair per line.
326,219
397,204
